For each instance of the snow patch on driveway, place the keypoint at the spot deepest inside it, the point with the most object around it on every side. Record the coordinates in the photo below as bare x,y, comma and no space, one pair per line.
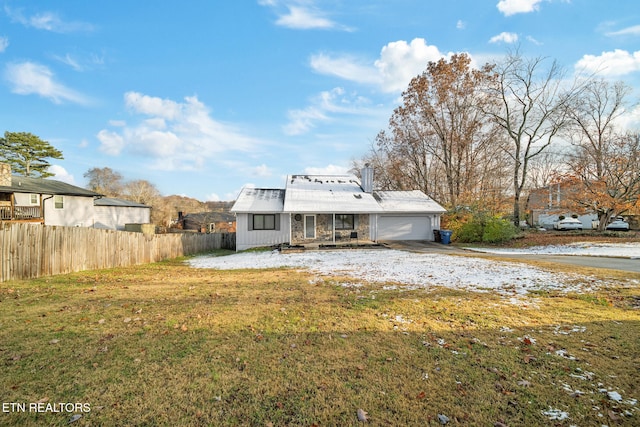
406,270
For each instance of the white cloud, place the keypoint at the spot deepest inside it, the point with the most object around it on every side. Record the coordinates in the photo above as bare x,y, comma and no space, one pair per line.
304,19
512,7
262,171
4,44
213,197
173,135
47,21
630,120
346,67
401,61
323,108
398,63
28,78
629,31
534,41
61,174
616,63
327,170
80,63
301,15
111,143
504,37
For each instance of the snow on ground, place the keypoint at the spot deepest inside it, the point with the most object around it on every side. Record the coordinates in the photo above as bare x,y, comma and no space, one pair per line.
407,270
625,250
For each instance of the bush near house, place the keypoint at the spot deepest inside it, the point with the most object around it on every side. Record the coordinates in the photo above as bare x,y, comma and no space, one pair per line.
473,227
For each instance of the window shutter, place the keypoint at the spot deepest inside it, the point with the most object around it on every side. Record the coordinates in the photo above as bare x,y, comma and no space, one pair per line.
277,221
250,221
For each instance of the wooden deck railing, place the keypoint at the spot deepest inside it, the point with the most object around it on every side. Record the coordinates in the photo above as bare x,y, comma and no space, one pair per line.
20,213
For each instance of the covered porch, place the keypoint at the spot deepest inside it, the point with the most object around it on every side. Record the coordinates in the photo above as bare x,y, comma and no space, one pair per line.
322,229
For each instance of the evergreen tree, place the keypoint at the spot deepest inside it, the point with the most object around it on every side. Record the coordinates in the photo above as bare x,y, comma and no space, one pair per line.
27,154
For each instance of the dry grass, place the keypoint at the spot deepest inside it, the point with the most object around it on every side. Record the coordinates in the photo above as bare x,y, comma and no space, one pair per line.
165,344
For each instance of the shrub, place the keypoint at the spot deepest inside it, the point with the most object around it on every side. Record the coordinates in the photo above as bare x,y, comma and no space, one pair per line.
484,228
498,230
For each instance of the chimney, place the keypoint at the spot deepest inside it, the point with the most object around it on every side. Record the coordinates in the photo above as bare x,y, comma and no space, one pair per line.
367,178
5,175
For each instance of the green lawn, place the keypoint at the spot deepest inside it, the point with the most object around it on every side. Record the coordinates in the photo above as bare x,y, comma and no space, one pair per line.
165,344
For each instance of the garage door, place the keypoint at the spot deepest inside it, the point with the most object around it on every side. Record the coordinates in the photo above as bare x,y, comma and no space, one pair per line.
404,228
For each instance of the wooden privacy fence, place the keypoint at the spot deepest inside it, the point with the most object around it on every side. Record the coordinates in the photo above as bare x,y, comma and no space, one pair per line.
33,250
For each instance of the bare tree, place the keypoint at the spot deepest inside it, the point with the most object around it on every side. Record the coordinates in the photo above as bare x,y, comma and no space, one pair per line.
105,181
141,191
533,111
605,160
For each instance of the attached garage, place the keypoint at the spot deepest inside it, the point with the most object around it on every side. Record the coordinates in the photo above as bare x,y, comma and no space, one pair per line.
407,215
396,227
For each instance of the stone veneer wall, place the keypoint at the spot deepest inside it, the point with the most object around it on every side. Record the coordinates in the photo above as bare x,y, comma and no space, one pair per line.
324,229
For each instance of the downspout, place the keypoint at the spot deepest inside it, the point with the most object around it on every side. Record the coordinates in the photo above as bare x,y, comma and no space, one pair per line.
42,204
290,230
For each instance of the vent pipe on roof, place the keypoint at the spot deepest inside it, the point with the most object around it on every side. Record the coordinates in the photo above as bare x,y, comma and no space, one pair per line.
366,175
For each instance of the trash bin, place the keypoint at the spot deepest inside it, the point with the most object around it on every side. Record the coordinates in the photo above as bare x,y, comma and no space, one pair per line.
436,236
445,235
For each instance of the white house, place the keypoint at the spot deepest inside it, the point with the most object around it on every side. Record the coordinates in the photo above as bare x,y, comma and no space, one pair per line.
114,214
327,209
51,202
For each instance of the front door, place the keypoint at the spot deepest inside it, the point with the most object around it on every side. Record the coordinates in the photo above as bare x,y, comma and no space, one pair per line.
309,227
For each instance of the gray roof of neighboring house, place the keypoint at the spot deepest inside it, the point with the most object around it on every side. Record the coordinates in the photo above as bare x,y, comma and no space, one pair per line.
407,201
29,185
206,217
110,201
259,200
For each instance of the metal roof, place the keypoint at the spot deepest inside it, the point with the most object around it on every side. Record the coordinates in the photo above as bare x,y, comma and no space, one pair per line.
407,201
29,185
259,200
110,201
332,194
327,194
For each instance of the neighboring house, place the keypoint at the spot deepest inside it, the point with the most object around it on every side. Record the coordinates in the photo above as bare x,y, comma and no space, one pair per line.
208,222
326,209
115,214
44,201
51,202
546,205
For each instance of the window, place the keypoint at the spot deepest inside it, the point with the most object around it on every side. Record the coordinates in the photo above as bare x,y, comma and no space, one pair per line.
264,222
58,202
34,200
345,221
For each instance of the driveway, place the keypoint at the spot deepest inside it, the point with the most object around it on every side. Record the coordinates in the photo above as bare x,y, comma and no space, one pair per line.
610,263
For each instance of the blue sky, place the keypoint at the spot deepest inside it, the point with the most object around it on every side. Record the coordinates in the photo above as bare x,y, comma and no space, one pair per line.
204,97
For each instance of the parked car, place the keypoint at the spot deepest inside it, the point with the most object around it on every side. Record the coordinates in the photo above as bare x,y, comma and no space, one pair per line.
618,224
568,224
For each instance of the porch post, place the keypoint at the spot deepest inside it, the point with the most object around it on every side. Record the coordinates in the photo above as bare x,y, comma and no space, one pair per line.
333,226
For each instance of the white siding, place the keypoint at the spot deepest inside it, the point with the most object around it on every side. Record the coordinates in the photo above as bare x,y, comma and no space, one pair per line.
115,217
246,239
76,211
